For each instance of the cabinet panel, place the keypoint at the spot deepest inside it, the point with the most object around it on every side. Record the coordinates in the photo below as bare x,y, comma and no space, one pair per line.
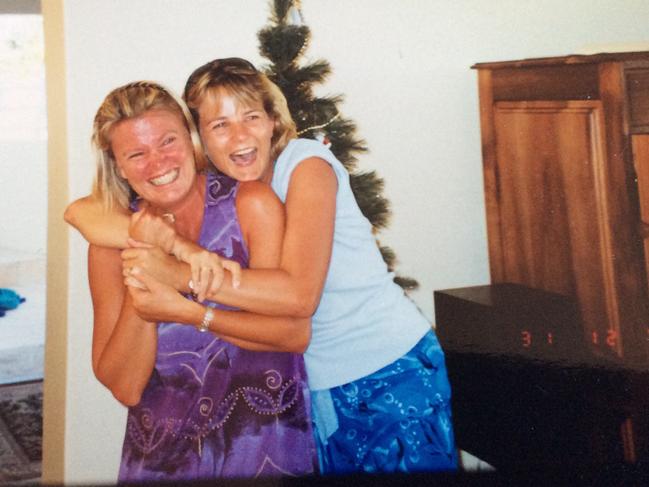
550,159
641,162
638,90
571,82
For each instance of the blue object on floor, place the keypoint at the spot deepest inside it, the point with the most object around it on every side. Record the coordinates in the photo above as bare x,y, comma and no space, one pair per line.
9,300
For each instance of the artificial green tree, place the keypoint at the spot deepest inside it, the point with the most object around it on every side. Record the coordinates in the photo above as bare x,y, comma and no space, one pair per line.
283,43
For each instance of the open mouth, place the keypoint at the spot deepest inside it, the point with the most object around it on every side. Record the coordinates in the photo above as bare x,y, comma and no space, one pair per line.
244,157
166,178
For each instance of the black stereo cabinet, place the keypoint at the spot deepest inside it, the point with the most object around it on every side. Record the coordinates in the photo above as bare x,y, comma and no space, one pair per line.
527,390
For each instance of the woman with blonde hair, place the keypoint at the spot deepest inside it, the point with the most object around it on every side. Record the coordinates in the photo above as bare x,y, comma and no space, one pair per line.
381,397
202,405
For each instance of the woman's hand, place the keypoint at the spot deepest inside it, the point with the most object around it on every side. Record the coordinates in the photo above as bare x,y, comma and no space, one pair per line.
150,228
154,261
207,267
149,232
156,301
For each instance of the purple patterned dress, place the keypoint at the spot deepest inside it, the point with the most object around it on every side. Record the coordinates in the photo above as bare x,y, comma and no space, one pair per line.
212,409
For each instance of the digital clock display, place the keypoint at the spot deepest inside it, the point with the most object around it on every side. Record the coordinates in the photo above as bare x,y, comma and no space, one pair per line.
540,338
511,319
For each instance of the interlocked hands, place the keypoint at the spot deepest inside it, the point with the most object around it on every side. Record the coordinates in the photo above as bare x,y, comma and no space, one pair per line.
153,238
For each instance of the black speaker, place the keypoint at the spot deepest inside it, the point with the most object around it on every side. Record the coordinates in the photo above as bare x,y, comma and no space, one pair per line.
528,392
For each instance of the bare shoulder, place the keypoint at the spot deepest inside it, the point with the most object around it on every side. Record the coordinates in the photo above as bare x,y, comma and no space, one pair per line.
262,218
311,177
257,197
314,167
314,163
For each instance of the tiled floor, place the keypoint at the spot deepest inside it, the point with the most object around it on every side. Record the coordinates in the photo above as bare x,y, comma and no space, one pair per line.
22,330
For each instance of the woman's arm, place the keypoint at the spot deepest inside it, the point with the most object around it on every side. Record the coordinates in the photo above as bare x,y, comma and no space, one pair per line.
247,330
294,288
262,219
111,228
261,216
98,226
123,345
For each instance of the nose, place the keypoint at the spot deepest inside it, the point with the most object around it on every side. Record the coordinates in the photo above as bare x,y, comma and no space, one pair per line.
240,131
156,159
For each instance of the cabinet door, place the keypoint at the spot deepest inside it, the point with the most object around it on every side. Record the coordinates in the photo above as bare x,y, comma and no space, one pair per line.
552,204
640,143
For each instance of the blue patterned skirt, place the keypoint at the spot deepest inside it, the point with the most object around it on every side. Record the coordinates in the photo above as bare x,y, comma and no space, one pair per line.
397,419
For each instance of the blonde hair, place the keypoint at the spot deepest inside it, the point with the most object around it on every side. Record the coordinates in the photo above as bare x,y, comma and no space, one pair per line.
123,103
240,79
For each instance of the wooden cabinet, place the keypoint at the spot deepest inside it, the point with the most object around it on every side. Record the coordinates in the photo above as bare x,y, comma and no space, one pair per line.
565,145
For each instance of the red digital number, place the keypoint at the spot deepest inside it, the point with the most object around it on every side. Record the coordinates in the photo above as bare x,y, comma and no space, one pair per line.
611,337
550,338
527,338
595,338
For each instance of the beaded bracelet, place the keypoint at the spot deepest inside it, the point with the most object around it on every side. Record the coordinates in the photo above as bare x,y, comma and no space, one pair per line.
207,320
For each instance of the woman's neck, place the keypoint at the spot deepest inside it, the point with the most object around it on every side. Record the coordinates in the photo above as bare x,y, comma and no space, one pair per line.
187,216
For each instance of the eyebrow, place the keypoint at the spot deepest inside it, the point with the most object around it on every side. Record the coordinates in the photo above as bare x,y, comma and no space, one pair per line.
129,152
158,140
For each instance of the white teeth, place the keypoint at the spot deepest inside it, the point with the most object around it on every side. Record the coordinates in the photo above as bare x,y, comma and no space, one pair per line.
243,152
166,178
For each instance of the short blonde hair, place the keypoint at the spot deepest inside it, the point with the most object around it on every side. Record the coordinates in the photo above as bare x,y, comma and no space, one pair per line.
241,79
123,103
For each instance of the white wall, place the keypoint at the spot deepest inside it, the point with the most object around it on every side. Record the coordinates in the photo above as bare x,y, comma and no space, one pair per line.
404,70
23,156
22,162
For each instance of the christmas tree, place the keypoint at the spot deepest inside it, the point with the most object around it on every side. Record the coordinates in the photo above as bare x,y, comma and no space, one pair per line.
283,42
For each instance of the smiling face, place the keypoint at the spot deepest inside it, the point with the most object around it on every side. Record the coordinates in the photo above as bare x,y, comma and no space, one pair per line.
237,136
154,154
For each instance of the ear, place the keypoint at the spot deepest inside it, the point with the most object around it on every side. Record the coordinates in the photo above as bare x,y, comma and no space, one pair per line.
120,171
276,126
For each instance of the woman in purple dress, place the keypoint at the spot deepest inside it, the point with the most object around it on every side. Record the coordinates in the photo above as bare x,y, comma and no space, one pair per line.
201,406
377,374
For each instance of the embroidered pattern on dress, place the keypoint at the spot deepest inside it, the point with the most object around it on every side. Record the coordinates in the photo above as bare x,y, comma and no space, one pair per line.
219,189
268,466
147,433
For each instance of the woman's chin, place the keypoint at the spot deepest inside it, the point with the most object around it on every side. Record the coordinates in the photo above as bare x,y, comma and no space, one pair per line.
244,176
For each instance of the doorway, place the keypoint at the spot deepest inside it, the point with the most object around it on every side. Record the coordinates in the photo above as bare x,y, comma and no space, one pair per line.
23,239
23,197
